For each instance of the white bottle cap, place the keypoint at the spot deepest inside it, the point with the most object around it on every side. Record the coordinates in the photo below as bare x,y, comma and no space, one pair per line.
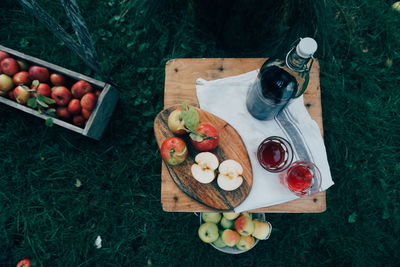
306,47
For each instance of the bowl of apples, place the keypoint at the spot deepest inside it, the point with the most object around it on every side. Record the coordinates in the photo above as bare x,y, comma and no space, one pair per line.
233,233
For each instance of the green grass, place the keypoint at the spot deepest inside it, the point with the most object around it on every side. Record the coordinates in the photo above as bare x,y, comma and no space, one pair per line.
44,216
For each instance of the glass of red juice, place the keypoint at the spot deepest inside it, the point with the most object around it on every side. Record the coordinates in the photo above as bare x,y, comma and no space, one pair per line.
275,154
303,178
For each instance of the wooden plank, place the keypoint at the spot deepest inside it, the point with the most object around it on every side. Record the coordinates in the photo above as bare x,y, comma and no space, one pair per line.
102,113
209,194
180,77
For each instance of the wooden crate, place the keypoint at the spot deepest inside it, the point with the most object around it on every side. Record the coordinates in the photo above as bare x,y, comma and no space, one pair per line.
101,115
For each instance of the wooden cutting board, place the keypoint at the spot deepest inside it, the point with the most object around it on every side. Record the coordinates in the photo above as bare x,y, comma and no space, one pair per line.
230,146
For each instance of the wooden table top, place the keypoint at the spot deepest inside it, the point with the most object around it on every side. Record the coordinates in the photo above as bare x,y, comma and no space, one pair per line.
180,86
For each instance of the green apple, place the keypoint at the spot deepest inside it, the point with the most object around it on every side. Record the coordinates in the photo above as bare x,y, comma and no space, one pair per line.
226,224
208,232
212,217
261,229
247,214
21,94
176,124
245,242
244,225
6,83
230,237
231,215
219,243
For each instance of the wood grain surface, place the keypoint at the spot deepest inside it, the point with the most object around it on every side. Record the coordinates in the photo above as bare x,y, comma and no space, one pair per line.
180,86
211,194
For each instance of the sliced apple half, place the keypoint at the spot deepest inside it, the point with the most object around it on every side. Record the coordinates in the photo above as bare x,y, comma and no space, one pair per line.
230,175
204,168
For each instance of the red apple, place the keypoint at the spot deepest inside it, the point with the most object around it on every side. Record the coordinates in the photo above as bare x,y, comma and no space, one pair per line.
3,55
61,95
23,65
21,77
74,107
88,101
21,94
174,150
78,120
42,89
80,88
6,83
24,263
205,138
86,113
57,79
39,73
62,112
9,66
11,95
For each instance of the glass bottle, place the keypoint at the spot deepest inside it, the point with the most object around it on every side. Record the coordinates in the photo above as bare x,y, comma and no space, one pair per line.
281,80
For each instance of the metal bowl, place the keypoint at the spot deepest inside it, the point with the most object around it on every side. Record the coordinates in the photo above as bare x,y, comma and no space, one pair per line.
235,250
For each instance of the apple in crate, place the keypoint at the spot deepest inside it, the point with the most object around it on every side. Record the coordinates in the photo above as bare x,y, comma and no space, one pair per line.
173,150
204,168
244,225
176,124
205,138
3,55
39,73
230,237
21,94
41,88
261,229
88,101
61,95
62,113
78,120
6,83
9,66
245,242
22,77
74,107
81,88
212,217
208,232
57,79
86,113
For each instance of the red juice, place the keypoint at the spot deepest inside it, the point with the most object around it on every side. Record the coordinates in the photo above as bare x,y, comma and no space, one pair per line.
299,178
272,154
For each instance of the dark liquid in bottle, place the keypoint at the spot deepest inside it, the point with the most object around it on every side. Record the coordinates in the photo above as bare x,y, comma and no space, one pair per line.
277,88
277,84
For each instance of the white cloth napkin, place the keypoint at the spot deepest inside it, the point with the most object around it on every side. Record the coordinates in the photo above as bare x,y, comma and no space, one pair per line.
226,98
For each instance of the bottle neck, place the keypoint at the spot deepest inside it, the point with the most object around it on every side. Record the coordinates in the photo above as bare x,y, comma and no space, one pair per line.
295,62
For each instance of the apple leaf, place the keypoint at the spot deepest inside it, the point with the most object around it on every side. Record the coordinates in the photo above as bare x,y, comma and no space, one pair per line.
40,101
352,218
49,122
196,137
190,117
32,103
48,100
51,112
